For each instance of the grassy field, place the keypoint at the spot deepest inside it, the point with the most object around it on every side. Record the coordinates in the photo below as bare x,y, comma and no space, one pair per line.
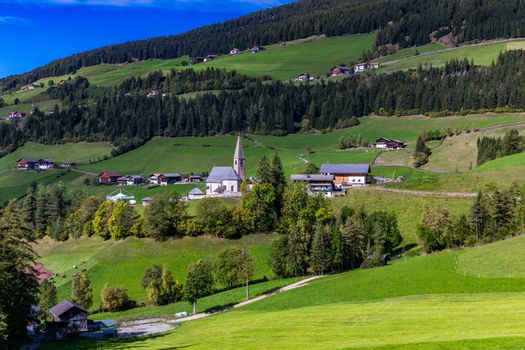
483,54
412,52
459,153
314,57
420,303
124,262
408,213
81,152
498,260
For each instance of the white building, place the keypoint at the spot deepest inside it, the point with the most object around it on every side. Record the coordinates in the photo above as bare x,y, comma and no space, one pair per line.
226,181
347,175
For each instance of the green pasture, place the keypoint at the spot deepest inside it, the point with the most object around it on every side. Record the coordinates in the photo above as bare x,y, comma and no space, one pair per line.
482,54
420,303
413,51
122,263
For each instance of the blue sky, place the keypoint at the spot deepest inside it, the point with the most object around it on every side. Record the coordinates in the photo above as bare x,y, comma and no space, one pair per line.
35,32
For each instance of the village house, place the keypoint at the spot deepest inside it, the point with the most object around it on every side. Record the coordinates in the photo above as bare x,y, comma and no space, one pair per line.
122,181
226,181
27,164
134,180
16,115
108,178
304,78
340,70
210,58
361,67
196,193
316,184
257,48
164,179
121,196
153,93
235,52
66,165
374,65
389,144
68,318
347,175
252,181
46,164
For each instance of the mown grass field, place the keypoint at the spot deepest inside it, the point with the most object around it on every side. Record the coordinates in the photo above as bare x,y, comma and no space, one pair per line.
408,209
419,303
483,54
123,263
459,153
413,51
314,57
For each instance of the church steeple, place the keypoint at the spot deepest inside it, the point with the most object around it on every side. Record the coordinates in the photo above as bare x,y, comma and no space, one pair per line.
238,159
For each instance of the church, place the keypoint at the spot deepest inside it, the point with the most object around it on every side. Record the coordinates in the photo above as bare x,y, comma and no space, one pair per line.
226,181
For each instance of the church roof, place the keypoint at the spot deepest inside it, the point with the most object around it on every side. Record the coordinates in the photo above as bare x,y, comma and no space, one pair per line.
221,173
239,151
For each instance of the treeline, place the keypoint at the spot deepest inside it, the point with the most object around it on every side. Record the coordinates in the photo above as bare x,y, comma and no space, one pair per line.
400,23
492,217
490,148
278,107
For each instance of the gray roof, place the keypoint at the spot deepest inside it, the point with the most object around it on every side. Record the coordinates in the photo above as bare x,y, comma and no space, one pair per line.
196,192
172,175
63,307
311,177
221,173
345,169
239,151
30,160
134,177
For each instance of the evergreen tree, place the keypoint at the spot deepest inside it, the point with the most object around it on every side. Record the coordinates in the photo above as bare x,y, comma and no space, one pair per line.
279,257
245,270
29,208
264,172
320,256
298,249
47,296
479,216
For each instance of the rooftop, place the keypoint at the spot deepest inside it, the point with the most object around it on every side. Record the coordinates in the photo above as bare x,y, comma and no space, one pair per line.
221,173
63,307
345,169
311,177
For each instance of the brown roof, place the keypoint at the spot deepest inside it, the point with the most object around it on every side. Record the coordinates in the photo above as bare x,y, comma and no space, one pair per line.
63,307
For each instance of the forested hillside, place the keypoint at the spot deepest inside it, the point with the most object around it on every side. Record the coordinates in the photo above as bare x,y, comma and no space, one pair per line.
404,23
278,108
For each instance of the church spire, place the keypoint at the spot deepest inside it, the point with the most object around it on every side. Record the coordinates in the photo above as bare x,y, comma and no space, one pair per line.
238,159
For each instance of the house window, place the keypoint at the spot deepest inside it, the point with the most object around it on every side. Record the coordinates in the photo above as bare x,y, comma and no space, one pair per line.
353,180
232,189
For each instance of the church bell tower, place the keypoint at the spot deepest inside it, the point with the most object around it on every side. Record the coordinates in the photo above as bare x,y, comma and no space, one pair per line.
238,159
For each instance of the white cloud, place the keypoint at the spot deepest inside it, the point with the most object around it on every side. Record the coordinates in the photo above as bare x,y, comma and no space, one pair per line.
176,4
12,20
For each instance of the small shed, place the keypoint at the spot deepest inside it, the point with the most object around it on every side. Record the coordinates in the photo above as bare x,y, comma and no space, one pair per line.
71,316
146,201
196,193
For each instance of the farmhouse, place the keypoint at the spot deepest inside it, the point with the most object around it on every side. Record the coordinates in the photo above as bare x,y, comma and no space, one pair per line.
304,78
70,316
164,179
16,115
68,164
121,196
134,180
146,201
226,181
316,184
46,164
108,178
361,67
346,175
235,52
340,70
389,144
210,58
27,164
257,48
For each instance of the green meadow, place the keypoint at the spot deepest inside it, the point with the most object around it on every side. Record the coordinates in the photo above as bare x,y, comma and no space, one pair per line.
481,54
123,263
420,303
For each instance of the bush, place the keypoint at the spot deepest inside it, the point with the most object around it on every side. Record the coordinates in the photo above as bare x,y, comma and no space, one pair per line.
113,299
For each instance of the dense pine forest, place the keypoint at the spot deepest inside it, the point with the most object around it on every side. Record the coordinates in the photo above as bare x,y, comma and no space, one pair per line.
404,23
274,107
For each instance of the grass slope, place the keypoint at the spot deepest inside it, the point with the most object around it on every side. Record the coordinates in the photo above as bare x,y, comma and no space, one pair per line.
124,262
420,302
314,57
483,54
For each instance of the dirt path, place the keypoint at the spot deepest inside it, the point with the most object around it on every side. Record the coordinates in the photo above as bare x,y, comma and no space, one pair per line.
160,325
83,172
415,193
